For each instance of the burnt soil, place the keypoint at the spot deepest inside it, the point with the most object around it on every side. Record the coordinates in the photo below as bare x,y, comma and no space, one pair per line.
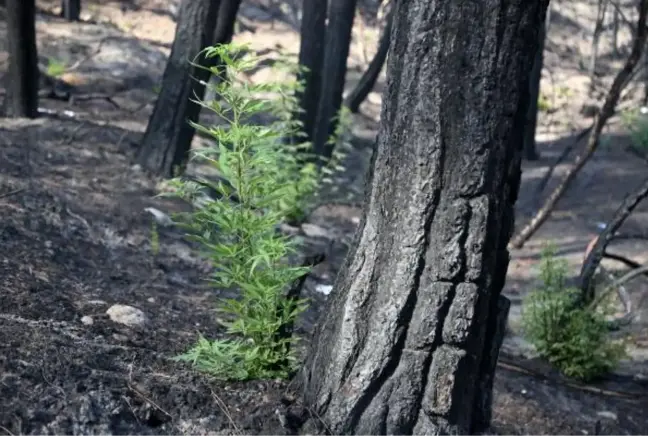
75,239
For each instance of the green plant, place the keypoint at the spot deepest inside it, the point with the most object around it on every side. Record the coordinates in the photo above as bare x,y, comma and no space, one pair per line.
263,181
572,338
55,68
544,105
637,124
155,238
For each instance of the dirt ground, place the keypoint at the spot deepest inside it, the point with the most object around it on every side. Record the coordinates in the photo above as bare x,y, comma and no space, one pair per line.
75,239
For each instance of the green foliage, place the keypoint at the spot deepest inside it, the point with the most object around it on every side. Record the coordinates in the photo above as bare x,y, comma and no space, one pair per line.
55,68
544,105
637,123
263,181
573,339
155,238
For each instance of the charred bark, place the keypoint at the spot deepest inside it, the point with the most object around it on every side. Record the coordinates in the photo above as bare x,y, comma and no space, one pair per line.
21,99
71,10
530,150
338,39
409,340
370,76
167,140
311,56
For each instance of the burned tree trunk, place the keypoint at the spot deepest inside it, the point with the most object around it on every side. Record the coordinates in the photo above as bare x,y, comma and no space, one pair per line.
311,56
167,140
530,149
370,76
71,10
227,12
338,39
409,341
21,99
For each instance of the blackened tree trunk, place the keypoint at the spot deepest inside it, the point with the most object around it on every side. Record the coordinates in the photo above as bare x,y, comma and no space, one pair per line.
167,141
530,151
311,56
409,342
21,99
71,9
338,39
226,22
370,76
223,34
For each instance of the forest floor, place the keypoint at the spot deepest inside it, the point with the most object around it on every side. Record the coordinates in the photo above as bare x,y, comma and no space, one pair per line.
75,240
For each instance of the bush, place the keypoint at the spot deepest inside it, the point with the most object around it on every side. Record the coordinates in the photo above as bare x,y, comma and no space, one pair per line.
263,181
573,339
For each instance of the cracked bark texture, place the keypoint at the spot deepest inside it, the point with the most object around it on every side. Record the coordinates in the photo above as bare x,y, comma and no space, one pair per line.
410,339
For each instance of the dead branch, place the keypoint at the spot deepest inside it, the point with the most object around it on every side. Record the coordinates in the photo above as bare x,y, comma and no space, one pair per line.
545,179
624,260
620,281
595,255
600,120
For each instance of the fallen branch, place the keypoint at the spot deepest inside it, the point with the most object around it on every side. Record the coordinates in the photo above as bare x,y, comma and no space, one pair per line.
600,120
624,260
595,254
620,281
545,179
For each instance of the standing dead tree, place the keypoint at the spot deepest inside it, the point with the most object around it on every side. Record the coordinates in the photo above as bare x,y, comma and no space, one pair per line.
607,111
370,76
596,38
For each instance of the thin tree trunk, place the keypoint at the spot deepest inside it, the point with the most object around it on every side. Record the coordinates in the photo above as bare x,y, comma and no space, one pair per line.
338,39
615,32
409,341
370,76
596,37
167,141
311,56
530,150
71,10
595,255
611,100
223,34
21,99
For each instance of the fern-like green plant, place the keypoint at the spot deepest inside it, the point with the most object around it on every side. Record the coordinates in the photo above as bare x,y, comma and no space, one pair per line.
263,181
573,339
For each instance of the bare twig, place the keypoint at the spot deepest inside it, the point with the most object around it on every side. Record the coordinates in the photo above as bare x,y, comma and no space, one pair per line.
620,281
70,138
143,396
10,193
221,404
78,63
545,179
3,428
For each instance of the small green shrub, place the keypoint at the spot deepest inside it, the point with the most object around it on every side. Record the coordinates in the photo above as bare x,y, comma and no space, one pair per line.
637,124
573,339
263,181
55,68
